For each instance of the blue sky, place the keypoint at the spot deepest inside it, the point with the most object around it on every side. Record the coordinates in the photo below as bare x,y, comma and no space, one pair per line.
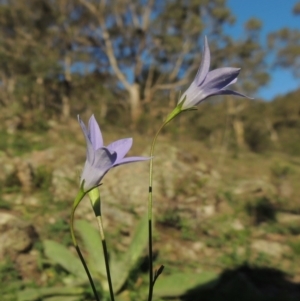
274,14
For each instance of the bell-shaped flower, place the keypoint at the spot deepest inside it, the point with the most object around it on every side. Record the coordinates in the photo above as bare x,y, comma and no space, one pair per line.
99,158
208,83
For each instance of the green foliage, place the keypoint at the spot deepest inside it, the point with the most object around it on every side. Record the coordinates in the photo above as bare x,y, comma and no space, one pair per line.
60,230
170,218
257,138
4,204
42,178
92,243
295,245
62,256
46,74
280,170
285,43
11,278
125,264
12,183
180,283
121,266
51,294
20,142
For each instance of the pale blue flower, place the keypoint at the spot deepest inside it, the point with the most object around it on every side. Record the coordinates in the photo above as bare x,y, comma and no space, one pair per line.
99,158
208,83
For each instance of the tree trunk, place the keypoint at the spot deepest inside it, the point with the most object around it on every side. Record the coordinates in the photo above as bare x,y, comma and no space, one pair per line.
273,134
237,124
134,103
238,127
66,104
66,109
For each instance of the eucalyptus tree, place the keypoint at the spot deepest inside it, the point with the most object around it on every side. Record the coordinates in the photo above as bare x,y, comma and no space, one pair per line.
285,43
247,53
149,45
54,54
34,62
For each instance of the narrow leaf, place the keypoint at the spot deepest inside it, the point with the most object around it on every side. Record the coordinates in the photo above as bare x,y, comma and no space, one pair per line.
92,243
59,254
32,294
122,267
180,283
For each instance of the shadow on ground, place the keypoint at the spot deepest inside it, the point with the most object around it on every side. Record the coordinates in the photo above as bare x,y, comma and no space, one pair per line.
248,284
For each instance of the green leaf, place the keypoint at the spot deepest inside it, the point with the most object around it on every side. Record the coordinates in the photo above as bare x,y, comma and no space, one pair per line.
64,298
31,294
92,243
178,284
122,267
59,254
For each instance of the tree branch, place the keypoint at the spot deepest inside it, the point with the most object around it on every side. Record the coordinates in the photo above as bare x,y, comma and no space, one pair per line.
186,48
135,19
107,41
146,16
142,45
148,91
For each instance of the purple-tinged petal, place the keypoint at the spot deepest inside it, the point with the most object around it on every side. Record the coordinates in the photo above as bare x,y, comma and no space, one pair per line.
89,150
231,92
91,176
95,133
131,160
193,96
104,159
220,78
121,147
188,95
83,127
232,82
213,92
205,63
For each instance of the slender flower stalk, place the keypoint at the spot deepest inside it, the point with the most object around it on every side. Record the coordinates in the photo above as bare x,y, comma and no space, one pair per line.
106,257
206,83
77,200
94,196
150,205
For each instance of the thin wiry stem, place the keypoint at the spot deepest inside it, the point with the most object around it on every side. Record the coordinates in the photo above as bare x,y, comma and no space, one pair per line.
150,205
106,258
87,272
79,197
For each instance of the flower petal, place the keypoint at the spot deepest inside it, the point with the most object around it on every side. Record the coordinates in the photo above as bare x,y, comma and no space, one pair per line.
95,133
91,176
90,154
220,78
231,92
130,160
194,95
121,147
205,63
93,172
104,159
213,92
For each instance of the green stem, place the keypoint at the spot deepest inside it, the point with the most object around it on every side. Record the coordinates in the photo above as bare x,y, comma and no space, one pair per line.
78,198
106,257
87,272
150,205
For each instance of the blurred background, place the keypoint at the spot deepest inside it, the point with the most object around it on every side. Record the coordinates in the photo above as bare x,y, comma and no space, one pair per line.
226,178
